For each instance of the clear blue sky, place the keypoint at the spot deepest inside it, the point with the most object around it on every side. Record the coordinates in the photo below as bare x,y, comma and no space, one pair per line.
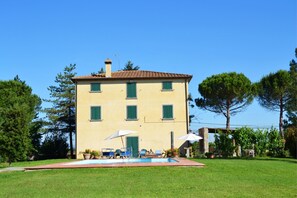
39,38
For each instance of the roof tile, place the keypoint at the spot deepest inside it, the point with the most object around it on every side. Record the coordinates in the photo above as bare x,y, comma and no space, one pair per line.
134,74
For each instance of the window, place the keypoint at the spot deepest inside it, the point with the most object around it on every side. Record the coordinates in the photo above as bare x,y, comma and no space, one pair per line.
95,113
131,112
131,90
167,85
95,87
167,112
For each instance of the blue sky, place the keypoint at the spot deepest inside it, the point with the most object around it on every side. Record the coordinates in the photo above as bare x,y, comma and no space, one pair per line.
39,38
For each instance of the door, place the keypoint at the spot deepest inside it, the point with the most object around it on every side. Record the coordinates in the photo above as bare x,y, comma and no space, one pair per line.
132,144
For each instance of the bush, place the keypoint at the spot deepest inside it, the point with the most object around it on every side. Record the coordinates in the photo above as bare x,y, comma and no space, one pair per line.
291,140
54,147
261,145
195,149
276,145
224,144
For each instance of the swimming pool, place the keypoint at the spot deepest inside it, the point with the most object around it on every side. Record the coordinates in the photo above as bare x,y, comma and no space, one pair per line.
123,161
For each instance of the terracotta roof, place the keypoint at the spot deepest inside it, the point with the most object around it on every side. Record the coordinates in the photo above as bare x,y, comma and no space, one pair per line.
134,74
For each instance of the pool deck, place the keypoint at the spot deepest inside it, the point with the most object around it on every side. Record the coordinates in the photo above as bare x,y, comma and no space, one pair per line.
183,162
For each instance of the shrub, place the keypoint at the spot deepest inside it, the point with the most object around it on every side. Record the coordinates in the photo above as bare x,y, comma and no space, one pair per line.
54,147
276,145
291,140
261,145
224,144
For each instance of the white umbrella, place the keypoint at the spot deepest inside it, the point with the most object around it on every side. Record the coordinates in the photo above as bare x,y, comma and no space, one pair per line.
191,137
120,133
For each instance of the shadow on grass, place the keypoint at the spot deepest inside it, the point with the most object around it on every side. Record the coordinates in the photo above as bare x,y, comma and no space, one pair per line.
289,160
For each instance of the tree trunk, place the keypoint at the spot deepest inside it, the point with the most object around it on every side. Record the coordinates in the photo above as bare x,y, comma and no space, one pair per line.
228,122
281,118
228,116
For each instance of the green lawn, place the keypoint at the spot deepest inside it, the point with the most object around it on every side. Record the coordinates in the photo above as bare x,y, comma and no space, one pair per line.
219,178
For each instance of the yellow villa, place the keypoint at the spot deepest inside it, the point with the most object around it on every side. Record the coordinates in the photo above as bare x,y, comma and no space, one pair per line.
153,104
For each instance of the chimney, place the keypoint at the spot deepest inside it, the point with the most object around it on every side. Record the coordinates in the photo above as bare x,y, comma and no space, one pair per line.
108,68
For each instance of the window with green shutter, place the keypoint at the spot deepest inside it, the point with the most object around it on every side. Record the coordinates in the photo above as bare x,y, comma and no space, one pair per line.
131,90
95,113
95,87
167,111
167,85
131,112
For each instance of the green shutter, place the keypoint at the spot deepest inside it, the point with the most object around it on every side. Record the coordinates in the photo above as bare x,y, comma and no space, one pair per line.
95,87
95,113
167,85
167,112
131,112
131,90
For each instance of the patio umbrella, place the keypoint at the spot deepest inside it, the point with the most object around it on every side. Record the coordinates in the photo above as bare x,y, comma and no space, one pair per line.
191,137
120,133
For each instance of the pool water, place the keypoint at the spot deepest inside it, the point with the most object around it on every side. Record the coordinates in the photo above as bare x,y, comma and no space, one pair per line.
115,161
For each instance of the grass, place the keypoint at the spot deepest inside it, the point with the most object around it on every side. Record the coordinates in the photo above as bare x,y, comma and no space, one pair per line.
33,163
219,178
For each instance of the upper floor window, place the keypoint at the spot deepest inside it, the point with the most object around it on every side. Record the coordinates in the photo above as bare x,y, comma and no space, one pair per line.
95,87
167,85
168,112
131,112
131,90
95,113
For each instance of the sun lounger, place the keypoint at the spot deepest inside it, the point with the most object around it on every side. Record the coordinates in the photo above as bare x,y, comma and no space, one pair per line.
158,153
142,153
108,152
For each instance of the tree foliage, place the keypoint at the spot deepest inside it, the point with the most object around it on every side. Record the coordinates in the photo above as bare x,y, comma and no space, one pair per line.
61,116
18,108
291,106
224,144
226,94
130,66
273,93
54,147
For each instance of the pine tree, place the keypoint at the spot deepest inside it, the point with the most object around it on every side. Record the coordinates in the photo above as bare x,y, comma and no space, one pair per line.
18,108
61,116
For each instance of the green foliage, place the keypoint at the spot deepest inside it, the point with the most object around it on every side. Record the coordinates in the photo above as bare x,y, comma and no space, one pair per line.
291,106
54,147
61,116
172,152
226,94
261,141
276,144
261,145
245,137
130,66
273,93
291,140
18,107
224,144
195,149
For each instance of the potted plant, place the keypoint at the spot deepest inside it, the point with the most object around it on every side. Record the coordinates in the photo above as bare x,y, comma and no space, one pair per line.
172,152
169,153
209,155
87,154
94,154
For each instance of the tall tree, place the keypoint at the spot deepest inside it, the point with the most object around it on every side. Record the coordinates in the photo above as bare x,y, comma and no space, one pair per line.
291,107
130,66
273,93
61,116
18,108
226,94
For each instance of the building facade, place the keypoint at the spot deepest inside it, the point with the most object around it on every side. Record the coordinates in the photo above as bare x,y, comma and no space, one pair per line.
153,104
